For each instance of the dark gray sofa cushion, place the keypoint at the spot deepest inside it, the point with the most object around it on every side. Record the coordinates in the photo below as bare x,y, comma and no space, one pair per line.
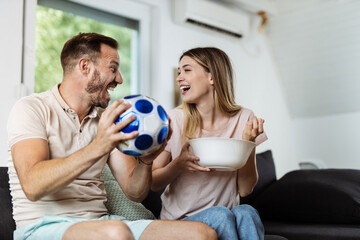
313,196
313,231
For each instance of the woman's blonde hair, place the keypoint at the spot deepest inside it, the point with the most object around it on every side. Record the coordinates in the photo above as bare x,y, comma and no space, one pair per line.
216,62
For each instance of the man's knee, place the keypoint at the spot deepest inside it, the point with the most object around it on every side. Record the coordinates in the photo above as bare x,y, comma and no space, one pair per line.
103,229
205,232
116,230
210,234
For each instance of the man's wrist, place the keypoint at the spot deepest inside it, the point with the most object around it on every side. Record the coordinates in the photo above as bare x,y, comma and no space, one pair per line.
140,161
96,151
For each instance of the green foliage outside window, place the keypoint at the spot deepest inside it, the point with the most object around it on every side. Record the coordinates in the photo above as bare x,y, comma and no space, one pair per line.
55,27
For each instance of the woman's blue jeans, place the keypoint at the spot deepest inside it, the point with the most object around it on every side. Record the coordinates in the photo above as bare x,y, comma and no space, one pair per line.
242,222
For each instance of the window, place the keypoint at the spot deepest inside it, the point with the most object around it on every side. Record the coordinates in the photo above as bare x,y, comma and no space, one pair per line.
57,21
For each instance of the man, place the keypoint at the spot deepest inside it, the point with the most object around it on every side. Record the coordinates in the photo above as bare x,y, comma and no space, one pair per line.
60,141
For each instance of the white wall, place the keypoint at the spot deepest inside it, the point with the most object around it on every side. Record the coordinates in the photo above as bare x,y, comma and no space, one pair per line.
332,140
10,64
257,85
316,45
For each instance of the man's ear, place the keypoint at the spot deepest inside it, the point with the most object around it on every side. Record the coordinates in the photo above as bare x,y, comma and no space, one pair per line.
84,65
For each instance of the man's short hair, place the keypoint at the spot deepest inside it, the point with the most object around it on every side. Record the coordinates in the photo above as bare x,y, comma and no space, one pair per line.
83,45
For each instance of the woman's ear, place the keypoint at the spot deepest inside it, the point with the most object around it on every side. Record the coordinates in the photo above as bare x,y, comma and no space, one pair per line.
211,81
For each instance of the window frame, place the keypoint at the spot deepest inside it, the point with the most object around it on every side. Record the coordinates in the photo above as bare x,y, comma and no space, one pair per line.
124,8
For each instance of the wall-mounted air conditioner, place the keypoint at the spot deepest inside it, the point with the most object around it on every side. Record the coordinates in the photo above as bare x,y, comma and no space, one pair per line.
255,6
211,15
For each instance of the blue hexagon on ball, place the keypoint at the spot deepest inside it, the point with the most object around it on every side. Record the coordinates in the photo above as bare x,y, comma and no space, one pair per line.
151,122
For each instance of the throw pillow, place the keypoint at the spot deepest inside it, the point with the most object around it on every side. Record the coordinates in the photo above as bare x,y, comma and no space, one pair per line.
117,202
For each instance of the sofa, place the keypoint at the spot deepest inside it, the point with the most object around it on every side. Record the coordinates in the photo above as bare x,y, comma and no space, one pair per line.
318,204
303,204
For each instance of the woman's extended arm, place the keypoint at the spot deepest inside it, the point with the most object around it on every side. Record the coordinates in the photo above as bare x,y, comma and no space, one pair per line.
248,175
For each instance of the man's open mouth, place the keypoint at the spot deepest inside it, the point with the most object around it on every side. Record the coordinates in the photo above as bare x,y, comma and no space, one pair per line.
111,86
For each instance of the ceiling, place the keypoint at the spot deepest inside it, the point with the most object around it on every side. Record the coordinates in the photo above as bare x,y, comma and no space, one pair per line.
316,46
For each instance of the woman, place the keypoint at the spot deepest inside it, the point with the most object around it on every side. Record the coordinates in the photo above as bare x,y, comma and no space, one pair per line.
194,192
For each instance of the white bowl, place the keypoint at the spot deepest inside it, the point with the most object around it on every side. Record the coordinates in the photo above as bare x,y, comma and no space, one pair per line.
222,154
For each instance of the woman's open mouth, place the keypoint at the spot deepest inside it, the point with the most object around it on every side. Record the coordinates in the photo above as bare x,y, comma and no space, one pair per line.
184,89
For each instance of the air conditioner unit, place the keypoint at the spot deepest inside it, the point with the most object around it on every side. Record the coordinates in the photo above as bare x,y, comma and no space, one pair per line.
211,15
255,6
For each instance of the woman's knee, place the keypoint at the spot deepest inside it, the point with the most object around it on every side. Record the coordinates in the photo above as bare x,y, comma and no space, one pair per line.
222,213
245,210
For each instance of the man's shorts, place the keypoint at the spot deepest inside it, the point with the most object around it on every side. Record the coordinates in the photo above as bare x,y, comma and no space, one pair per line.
52,227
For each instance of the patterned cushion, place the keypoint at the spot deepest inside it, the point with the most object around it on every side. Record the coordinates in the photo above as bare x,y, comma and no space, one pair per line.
118,203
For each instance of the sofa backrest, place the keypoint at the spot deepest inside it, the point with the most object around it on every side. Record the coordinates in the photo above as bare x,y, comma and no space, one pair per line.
7,223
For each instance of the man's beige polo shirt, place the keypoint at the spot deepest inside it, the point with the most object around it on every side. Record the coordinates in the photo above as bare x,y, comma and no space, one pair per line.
47,116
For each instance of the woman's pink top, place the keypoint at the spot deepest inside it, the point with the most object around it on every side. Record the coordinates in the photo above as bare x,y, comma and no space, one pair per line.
191,192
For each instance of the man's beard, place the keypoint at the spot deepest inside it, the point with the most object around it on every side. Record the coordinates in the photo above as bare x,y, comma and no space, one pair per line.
96,85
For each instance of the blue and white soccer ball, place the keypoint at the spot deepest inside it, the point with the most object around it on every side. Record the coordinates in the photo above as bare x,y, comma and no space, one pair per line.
151,122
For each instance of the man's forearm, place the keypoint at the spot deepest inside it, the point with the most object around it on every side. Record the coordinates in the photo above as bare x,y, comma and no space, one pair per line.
47,176
140,182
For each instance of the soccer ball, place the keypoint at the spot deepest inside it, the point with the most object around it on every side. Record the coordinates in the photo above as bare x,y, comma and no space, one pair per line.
151,122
